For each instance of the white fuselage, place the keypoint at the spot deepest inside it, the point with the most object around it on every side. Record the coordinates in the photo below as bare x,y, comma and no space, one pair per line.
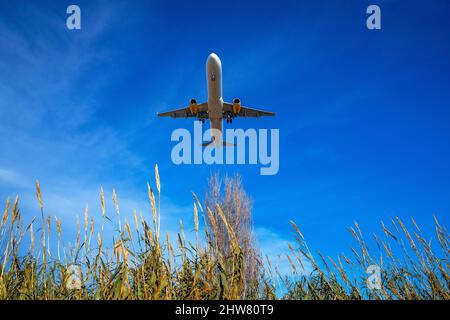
215,100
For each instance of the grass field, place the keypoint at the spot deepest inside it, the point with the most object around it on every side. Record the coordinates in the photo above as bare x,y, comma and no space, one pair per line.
141,263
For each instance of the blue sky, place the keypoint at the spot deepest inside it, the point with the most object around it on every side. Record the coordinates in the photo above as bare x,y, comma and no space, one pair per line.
363,115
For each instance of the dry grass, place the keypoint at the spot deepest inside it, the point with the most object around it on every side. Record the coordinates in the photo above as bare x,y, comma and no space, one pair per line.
231,213
143,265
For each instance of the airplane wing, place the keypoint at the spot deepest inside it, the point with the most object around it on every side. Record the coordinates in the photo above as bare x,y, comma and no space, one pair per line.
247,112
184,112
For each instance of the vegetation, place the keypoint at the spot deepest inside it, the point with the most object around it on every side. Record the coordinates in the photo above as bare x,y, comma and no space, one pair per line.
222,263
229,195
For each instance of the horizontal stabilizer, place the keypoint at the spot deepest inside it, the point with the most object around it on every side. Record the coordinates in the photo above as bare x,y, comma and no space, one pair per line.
224,143
207,143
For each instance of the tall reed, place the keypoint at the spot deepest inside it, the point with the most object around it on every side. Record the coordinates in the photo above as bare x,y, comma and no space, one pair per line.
143,265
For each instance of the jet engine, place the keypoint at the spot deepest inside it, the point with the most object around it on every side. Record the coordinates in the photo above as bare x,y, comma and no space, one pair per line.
236,106
193,106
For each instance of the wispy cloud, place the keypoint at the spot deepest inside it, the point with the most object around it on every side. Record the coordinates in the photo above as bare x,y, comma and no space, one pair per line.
12,178
275,246
50,97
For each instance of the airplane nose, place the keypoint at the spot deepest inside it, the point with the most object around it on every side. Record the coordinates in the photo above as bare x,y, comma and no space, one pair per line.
214,59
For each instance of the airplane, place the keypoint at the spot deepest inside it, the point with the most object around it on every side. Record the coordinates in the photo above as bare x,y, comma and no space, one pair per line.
215,109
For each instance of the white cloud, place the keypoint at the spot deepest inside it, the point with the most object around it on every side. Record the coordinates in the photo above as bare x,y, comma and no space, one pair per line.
12,178
275,246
